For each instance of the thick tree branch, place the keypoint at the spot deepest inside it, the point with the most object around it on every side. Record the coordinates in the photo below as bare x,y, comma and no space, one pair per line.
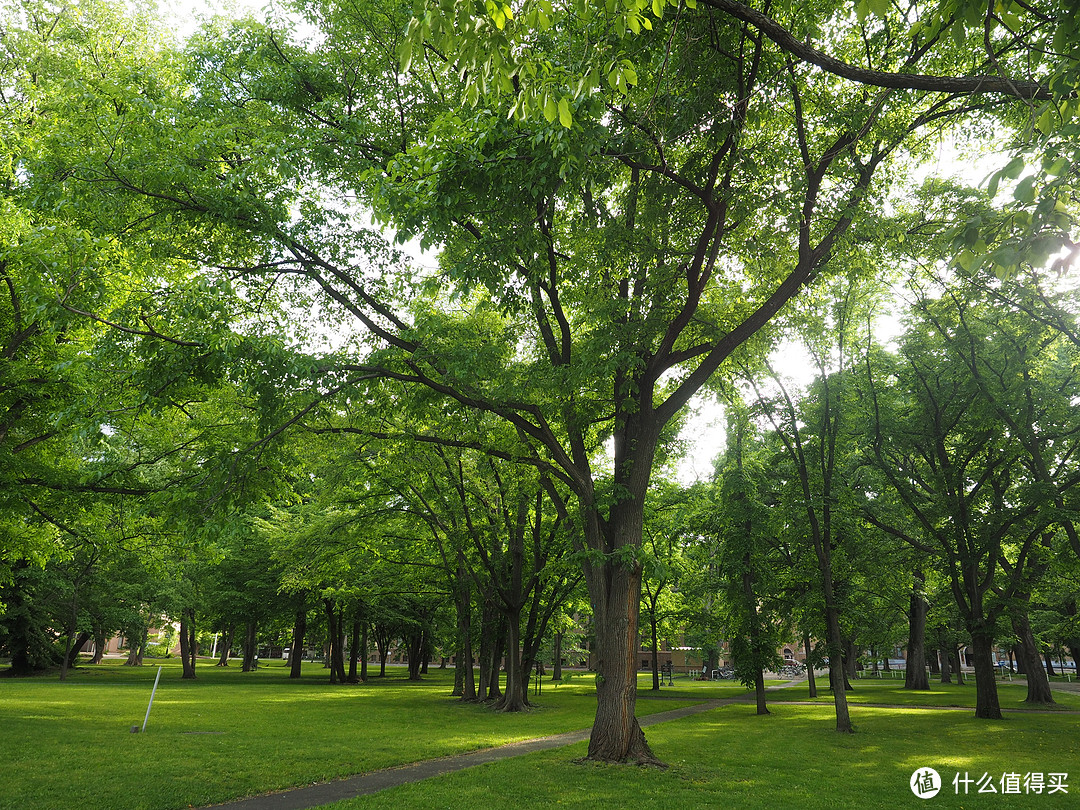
967,85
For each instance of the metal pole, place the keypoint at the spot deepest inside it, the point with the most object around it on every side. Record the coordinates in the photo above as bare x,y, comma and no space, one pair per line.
152,691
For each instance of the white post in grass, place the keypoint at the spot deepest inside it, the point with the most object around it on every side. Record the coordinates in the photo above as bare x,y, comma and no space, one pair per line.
152,691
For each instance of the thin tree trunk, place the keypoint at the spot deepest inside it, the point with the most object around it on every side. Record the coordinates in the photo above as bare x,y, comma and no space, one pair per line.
250,650
655,649
296,651
226,646
354,653
364,653
101,638
497,651
556,664
415,646
809,665
755,632
187,634
946,664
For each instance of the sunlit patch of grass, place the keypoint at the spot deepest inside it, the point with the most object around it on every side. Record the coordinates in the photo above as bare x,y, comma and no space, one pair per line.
732,758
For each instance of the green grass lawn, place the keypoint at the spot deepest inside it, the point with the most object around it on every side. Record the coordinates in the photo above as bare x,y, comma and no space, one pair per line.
731,758
232,734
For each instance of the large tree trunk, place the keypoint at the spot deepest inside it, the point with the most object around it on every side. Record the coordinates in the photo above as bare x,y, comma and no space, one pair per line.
986,696
516,697
616,735
296,651
1038,685
915,675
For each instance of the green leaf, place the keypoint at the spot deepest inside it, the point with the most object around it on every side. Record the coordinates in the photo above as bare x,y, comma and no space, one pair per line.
1025,191
1014,168
880,7
564,114
1056,167
551,109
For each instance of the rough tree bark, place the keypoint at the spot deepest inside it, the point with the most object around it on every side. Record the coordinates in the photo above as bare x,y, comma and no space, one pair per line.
915,675
987,706
1038,685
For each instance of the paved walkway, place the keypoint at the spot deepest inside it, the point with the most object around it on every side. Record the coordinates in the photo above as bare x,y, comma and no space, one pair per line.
368,783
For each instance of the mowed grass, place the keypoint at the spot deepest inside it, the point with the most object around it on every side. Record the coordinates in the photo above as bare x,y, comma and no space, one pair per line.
1011,695
793,758
230,734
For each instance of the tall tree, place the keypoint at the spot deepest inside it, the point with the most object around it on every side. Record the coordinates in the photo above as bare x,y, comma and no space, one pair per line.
647,224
